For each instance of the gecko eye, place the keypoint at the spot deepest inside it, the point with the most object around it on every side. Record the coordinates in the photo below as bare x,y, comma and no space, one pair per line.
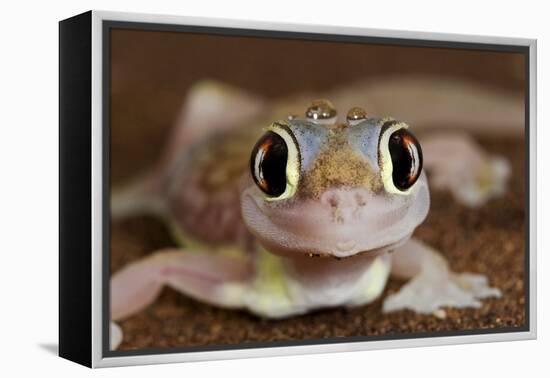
274,163
401,159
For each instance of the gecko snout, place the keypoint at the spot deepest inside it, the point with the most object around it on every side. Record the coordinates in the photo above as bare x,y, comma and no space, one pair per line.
344,202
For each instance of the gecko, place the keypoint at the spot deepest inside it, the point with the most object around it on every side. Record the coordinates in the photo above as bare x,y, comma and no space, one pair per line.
282,212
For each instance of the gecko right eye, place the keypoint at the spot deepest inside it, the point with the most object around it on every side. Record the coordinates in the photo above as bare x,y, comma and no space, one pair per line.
400,158
274,163
406,156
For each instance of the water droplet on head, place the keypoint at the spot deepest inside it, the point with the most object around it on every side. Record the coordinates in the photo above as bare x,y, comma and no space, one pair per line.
356,115
321,111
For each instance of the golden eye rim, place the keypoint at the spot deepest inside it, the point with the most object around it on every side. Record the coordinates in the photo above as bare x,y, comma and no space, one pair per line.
385,160
292,169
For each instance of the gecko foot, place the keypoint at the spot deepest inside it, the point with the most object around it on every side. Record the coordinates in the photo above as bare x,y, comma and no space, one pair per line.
457,163
116,336
483,184
426,293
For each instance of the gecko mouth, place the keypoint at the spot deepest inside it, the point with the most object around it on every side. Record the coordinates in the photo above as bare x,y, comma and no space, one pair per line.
310,227
351,252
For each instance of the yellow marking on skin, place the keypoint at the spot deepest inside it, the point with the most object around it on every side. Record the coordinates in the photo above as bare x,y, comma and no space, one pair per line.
193,245
485,178
373,283
378,275
270,274
270,293
233,294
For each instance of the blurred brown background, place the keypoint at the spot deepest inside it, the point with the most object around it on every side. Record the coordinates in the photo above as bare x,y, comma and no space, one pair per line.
152,71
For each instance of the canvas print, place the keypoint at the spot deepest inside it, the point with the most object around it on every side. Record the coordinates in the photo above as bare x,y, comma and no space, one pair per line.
269,190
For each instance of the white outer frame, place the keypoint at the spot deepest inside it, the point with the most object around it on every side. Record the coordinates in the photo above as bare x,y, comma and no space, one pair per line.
97,186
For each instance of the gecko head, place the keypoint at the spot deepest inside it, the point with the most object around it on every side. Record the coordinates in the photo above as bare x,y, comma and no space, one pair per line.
323,188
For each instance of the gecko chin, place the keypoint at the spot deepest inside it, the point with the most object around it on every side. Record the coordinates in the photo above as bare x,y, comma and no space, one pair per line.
340,223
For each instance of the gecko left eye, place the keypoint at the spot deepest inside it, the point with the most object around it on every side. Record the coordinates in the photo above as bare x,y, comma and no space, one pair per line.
401,160
274,163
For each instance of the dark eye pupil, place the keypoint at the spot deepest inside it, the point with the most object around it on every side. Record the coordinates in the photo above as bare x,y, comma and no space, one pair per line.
406,157
268,164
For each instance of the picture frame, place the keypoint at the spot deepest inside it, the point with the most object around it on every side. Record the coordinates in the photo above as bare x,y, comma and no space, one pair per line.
85,186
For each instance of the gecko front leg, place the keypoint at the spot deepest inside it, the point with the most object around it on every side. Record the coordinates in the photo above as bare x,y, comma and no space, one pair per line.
432,284
203,275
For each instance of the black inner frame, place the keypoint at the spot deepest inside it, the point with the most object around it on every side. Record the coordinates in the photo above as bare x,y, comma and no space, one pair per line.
109,25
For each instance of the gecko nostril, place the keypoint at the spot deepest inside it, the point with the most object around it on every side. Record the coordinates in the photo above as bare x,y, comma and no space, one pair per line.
330,199
360,199
342,200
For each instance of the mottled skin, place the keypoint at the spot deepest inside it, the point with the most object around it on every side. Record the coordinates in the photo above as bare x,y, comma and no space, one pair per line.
333,242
